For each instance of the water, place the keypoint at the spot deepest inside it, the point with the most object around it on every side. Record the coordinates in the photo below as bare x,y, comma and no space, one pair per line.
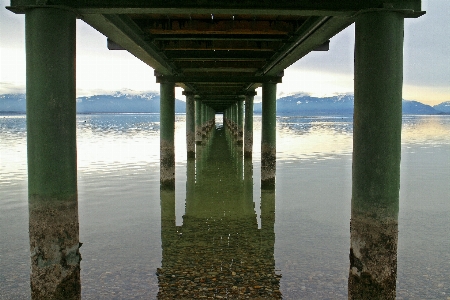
125,234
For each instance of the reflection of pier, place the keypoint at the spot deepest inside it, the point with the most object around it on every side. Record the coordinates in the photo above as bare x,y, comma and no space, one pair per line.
219,250
219,53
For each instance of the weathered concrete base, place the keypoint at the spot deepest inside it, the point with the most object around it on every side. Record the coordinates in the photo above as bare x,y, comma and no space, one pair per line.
198,135
248,144
240,137
190,144
373,258
268,166
54,247
167,167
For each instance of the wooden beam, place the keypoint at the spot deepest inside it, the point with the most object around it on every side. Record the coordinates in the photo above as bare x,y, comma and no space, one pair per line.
127,35
218,55
218,79
251,7
224,44
226,64
262,37
211,26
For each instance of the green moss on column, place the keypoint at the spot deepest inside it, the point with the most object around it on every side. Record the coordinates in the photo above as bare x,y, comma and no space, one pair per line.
52,157
268,135
376,155
167,134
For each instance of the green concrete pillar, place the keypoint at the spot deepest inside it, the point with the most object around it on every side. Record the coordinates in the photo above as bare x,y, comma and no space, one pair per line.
190,124
167,134
248,125
224,114
203,119
198,121
376,155
268,135
52,155
231,118
240,122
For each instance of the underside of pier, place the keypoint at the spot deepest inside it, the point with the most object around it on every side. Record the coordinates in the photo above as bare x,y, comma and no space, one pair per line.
219,52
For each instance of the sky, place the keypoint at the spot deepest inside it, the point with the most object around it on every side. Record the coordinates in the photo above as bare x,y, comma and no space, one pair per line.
99,70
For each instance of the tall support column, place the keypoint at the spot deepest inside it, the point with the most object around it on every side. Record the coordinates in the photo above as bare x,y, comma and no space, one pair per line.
198,121
376,155
203,119
240,121
52,156
167,135
190,124
268,135
248,125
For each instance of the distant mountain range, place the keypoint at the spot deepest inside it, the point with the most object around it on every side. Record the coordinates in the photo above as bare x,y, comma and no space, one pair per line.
299,104
119,102
343,105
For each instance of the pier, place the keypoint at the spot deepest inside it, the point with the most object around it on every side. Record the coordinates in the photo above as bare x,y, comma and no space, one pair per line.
219,53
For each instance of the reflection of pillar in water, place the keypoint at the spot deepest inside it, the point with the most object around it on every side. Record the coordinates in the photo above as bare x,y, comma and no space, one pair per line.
52,158
248,125
190,124
219,252
376,155
167,134
248,180
168,224
268,218
190,181
268,136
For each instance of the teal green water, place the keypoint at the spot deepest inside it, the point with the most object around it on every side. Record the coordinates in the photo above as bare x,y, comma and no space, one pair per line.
219,214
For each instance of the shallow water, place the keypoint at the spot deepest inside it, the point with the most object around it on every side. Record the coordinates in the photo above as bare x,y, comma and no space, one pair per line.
125,238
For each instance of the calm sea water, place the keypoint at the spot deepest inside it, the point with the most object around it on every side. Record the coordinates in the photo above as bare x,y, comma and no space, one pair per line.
125,241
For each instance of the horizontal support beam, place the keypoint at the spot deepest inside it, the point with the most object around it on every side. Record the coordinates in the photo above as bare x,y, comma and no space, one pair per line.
228,37
219,79
217,55
218,70
214,26
320,31
216,64
306,30
217,45
221,94
127,35
233,7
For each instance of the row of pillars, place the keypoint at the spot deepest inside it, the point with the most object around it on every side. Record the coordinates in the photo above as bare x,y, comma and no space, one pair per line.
52,158
200,119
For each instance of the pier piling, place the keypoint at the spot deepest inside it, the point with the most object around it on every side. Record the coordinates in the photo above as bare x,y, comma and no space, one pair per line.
268,136
52,156
376,155
167,135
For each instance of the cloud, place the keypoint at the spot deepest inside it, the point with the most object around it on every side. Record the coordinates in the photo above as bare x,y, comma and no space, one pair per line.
11,88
